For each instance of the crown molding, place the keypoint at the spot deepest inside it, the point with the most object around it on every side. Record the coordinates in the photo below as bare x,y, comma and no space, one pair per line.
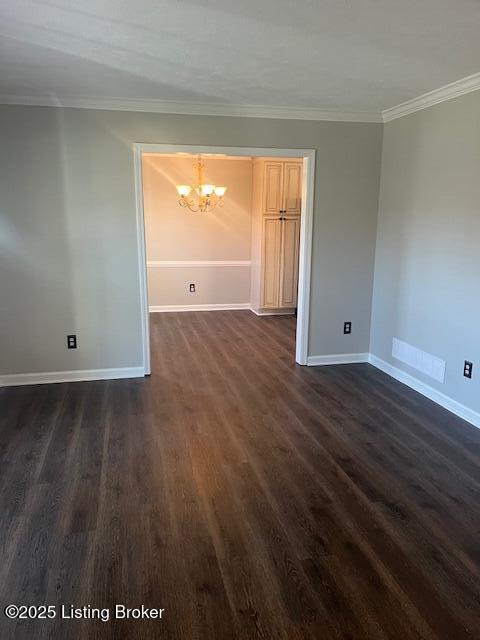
449,91
196,108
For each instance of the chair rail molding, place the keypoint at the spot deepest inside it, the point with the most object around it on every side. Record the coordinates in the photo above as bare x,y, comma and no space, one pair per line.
160,264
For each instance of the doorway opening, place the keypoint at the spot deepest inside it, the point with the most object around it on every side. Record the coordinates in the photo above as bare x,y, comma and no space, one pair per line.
279,264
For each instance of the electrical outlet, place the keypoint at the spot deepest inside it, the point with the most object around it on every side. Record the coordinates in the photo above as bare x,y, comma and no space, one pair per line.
192,288
468,369
72,341
347,328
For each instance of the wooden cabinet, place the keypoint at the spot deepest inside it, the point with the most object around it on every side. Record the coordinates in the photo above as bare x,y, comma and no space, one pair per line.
272,188
272,240
288,275
292,187
282,184
276,210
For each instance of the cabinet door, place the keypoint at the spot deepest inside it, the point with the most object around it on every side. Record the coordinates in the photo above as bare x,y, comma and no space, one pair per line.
272,237
292,187
289,247
272,188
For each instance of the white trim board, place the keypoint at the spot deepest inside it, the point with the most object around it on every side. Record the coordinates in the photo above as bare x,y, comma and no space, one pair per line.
208,156
460,410
51,377
197,263
168,308
196,108
337,358
306,230
142,260
447,92
426,390
194,149
273,312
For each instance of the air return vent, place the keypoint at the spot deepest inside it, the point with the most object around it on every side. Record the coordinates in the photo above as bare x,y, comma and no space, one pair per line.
420,360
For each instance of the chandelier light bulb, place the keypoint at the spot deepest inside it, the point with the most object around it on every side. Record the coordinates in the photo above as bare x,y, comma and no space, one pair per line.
206,189
183,190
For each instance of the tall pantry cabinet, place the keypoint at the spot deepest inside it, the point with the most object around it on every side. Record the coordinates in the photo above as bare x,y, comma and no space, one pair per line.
276,210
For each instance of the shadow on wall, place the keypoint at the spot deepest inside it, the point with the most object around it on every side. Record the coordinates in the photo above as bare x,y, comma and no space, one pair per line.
36,255
149,56
123,72
392,246
69,263
175,233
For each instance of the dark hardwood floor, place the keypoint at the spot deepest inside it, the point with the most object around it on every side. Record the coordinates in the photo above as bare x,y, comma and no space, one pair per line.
245,495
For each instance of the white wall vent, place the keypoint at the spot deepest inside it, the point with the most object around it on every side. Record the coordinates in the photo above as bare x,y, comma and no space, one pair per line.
420,360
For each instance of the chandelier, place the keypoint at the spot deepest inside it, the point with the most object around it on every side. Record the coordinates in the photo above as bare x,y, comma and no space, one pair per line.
201,196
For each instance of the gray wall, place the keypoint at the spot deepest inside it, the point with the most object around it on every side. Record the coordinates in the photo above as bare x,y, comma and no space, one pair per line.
427,275
68,239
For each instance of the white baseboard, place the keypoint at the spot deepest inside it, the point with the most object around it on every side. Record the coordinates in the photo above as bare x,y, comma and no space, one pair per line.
338,358
272,312
426,390
166,308
169,308
20,379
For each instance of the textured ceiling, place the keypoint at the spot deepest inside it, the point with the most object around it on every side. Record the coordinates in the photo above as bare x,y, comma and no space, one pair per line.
335,54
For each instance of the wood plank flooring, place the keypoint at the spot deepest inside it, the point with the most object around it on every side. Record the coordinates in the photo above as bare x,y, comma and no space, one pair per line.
245,495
